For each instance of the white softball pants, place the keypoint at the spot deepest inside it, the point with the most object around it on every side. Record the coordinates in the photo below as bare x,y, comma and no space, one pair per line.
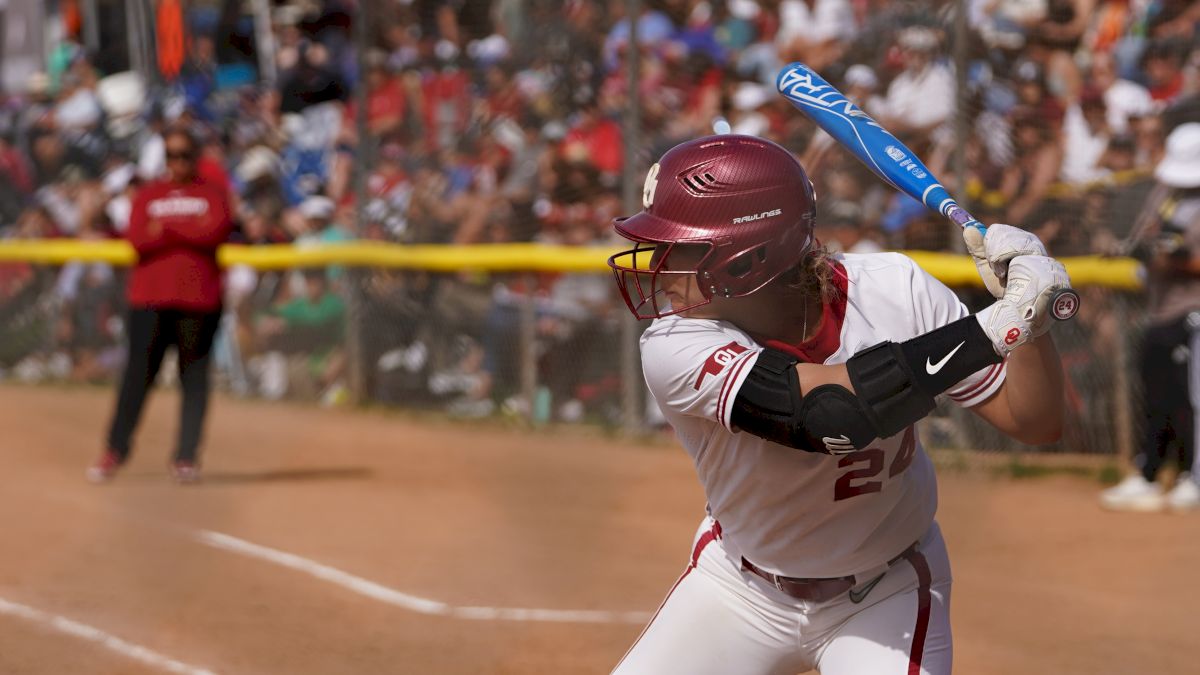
721,620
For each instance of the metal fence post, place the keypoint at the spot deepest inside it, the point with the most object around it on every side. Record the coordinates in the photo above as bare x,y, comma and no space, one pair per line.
356,365
631,381
527,316
962,115
1122,383
355,354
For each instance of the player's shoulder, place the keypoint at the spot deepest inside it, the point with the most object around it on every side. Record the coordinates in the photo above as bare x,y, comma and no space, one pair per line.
886,267
679,329
673,343
688,363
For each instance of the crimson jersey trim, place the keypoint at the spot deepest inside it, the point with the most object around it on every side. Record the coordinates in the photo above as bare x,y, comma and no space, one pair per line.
829,336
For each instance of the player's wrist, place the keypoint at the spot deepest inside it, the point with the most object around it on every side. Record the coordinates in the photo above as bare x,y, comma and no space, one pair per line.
1003,328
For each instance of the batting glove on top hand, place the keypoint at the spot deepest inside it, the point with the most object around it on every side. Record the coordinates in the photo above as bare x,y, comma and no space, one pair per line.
993,251
1024,312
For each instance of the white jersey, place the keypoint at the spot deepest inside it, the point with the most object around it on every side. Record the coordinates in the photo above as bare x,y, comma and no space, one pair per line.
796,513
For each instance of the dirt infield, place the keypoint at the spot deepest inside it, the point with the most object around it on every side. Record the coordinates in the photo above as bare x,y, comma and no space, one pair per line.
429,517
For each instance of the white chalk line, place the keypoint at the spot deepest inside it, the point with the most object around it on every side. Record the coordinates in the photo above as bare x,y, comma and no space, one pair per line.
413,603
356,584
92,634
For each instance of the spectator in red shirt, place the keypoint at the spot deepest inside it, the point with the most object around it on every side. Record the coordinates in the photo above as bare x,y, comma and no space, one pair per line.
447,103
1162,63
596,139
386,102
175,225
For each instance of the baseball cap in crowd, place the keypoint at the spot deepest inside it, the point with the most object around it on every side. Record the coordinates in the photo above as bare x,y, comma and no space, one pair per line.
843,213
491,49
286,15
1180,166
117,179
859,75
317,206
258,162
750,95
918,38
746,10
1129,102
1028,71
37,84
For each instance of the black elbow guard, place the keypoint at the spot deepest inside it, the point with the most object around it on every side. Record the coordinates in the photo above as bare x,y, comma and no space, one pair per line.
898,382
829,419
894,386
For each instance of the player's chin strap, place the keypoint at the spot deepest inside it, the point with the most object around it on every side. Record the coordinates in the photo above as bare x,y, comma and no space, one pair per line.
894,386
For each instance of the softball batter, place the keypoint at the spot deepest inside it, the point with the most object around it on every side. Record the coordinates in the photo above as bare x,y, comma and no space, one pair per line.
794,379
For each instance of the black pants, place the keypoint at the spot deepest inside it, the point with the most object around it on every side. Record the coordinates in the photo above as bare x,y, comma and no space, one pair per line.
151,331
1170,376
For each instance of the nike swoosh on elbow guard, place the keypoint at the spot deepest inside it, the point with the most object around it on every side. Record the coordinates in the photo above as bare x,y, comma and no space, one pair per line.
933,368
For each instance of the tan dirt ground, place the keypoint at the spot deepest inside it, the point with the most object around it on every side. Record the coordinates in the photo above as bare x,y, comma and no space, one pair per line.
483,515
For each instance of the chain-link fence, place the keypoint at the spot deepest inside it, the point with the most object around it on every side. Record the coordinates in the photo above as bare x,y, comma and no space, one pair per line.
542,348
532,121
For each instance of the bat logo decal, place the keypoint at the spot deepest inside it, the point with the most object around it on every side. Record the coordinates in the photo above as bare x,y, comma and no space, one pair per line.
797,84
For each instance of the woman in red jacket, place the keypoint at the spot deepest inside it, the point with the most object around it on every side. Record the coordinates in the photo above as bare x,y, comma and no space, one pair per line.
175,299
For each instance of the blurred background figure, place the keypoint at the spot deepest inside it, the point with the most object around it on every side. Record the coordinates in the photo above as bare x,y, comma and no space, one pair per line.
300,338
1170,361
175,299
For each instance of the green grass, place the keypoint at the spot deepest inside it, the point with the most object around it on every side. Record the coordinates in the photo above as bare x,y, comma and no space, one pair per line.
1110,474
1016,469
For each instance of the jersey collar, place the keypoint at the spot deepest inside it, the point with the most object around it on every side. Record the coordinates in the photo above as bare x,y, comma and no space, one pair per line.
829,336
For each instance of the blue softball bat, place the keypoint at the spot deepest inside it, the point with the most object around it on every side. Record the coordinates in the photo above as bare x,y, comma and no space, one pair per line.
875,146
883,153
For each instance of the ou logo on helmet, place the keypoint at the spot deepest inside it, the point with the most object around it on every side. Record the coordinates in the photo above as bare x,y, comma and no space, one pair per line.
650,186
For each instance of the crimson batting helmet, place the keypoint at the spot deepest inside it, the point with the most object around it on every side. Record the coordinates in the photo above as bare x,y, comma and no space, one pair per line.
744,198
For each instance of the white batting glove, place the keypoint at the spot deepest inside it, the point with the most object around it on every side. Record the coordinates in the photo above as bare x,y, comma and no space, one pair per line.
993,251
1024,312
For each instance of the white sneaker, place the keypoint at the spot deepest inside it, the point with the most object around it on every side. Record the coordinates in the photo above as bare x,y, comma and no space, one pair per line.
1135,493
1185,495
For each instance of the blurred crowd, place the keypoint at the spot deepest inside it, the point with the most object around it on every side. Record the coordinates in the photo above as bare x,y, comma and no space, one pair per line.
501,121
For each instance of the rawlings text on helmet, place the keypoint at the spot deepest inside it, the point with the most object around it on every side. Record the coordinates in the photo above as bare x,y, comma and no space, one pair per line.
757,216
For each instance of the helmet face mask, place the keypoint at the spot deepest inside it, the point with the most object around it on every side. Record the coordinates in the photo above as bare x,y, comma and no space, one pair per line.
652,286
746,201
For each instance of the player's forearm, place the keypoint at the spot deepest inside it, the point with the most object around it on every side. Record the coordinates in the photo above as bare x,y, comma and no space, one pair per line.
1033,390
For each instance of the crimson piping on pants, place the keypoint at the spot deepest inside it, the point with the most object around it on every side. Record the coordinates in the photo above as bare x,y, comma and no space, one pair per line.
704,540
917,560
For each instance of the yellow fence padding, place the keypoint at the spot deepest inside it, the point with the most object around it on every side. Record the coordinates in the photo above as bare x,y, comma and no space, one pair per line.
953,270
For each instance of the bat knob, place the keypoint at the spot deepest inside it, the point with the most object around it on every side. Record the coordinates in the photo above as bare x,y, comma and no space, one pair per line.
1064,304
